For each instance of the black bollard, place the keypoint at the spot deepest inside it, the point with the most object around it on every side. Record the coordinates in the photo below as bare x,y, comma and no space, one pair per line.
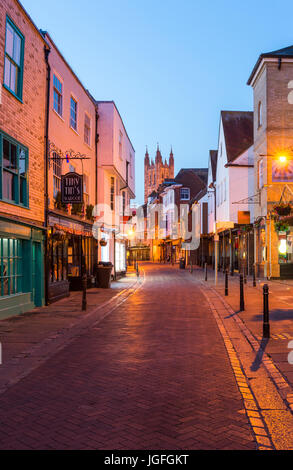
241,293
266,320
84,283
226,283
232,270
253,279
137,270
205,272
244,275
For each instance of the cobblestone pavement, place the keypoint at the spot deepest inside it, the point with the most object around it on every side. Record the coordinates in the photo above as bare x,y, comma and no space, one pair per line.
154,374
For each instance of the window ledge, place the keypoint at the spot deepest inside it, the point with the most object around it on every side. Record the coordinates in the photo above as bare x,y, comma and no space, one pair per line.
6,201
59,116
74,130
12,93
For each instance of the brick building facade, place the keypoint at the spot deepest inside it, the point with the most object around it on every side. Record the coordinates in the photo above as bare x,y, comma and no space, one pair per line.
22,124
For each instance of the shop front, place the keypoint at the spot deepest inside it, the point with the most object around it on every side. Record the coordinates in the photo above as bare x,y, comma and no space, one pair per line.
22,267
120,257
72,252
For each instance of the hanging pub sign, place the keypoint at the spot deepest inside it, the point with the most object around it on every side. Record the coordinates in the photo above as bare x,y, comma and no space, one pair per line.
72,188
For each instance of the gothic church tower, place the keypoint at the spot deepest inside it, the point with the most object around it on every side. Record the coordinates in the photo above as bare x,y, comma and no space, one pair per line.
155,172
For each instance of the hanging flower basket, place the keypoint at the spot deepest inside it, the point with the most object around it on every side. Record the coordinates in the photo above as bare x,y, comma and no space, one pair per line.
283,209
281,226
103,242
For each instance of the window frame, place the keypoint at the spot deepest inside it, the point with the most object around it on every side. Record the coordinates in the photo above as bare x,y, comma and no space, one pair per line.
76,113
16,173
20,67
57,173
86,116
112,193
184,198
259,115
60,80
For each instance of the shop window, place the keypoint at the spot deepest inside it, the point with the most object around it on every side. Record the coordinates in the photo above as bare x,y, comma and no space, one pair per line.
87,129
13,171
73,113
11,266
58,95
58,257
13,62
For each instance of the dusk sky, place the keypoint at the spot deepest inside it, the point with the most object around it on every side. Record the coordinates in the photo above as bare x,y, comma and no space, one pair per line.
169,66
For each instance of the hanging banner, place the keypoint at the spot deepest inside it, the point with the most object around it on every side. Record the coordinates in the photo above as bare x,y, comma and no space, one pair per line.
72,188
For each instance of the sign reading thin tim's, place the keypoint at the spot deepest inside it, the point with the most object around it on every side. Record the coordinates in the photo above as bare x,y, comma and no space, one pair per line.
72,188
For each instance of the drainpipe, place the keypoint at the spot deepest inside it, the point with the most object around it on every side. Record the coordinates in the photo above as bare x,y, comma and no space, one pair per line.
47,51
96,178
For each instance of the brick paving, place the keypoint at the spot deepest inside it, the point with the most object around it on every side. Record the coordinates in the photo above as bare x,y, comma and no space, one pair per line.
154,374
281,314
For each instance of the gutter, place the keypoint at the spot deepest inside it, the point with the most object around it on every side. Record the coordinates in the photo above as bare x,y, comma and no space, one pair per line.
47,51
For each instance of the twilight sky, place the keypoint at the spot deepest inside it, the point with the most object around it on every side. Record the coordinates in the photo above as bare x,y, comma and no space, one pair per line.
169,65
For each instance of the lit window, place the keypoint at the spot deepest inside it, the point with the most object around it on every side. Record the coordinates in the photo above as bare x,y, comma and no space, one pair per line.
11,266
184,194
13,171
58,95
87,129
73,113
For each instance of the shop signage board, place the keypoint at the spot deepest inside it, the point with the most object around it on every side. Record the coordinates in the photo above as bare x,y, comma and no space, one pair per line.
72,188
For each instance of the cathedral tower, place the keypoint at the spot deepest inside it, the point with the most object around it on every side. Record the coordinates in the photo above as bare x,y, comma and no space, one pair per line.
156,172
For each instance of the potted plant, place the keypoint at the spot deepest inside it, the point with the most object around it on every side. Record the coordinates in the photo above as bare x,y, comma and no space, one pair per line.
283,209
58,202
281,226
89,212
76,209
103,242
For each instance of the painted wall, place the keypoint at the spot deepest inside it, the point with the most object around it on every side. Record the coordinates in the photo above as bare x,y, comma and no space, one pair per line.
61,133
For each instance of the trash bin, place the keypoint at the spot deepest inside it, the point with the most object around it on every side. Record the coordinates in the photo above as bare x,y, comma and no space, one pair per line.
103,274
182,263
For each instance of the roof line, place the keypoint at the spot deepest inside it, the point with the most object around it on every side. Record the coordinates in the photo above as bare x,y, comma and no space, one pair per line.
30,19
69,66
113,102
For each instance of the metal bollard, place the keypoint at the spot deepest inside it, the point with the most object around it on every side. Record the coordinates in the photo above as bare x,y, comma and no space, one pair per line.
266,320
137,270
84,283
226,282
241,293
205,272
253,274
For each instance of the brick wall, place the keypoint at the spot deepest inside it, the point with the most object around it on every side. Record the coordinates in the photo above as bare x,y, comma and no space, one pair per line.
25,121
